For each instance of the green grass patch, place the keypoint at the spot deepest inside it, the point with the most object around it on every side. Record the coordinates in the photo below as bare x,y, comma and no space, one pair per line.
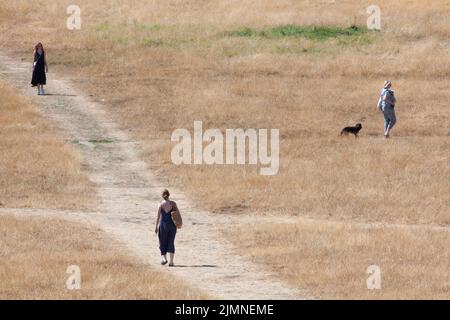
93,141
319,33
244,32
98,141
153,43
149,42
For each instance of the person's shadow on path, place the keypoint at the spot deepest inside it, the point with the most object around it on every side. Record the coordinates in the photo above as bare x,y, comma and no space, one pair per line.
60,95
194,266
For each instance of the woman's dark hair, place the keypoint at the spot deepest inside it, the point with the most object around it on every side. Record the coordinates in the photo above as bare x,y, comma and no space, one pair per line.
165,194
36,47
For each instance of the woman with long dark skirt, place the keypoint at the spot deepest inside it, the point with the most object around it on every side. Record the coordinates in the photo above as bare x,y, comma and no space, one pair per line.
39,69
165,228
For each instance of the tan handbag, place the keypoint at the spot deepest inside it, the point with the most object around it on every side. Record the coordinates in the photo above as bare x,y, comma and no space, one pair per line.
176,217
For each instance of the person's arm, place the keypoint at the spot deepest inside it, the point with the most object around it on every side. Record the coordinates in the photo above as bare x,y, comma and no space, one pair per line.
379,104
45,62
158,218
34,60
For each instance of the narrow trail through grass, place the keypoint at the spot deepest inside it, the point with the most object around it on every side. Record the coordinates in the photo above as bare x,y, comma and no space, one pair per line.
129,196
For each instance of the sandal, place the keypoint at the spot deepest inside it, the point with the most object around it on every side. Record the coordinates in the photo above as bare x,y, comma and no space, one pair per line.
171,265
164,262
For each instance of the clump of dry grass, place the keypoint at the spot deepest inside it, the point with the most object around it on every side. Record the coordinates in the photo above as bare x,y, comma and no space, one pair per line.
330,261
36,252
37,169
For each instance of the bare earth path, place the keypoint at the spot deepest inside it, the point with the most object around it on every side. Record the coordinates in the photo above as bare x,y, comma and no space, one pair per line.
128,192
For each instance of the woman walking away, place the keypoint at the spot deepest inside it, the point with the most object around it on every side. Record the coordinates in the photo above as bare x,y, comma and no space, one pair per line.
39,69
165,228
386,104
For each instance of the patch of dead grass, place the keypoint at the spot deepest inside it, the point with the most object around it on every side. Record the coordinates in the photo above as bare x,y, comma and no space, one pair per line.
36,252
330,261
37,168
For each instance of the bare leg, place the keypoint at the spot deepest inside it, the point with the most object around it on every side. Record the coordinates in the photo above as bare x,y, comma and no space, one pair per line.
171,256
164,259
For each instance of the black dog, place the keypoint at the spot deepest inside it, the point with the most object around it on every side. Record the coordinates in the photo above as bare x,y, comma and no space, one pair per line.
354,130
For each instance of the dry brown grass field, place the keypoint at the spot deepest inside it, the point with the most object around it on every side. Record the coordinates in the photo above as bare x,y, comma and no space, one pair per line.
36,253
331,260
160,65
38,170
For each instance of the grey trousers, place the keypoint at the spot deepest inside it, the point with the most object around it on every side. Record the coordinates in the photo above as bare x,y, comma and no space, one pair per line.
389,117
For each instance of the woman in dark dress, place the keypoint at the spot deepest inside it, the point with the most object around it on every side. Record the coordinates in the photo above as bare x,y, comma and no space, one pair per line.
39,69
165,228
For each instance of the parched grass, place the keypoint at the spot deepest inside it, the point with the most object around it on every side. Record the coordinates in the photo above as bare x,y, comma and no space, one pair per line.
108,28
289,80
260,82
37,169
139,34
330,261
36,252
